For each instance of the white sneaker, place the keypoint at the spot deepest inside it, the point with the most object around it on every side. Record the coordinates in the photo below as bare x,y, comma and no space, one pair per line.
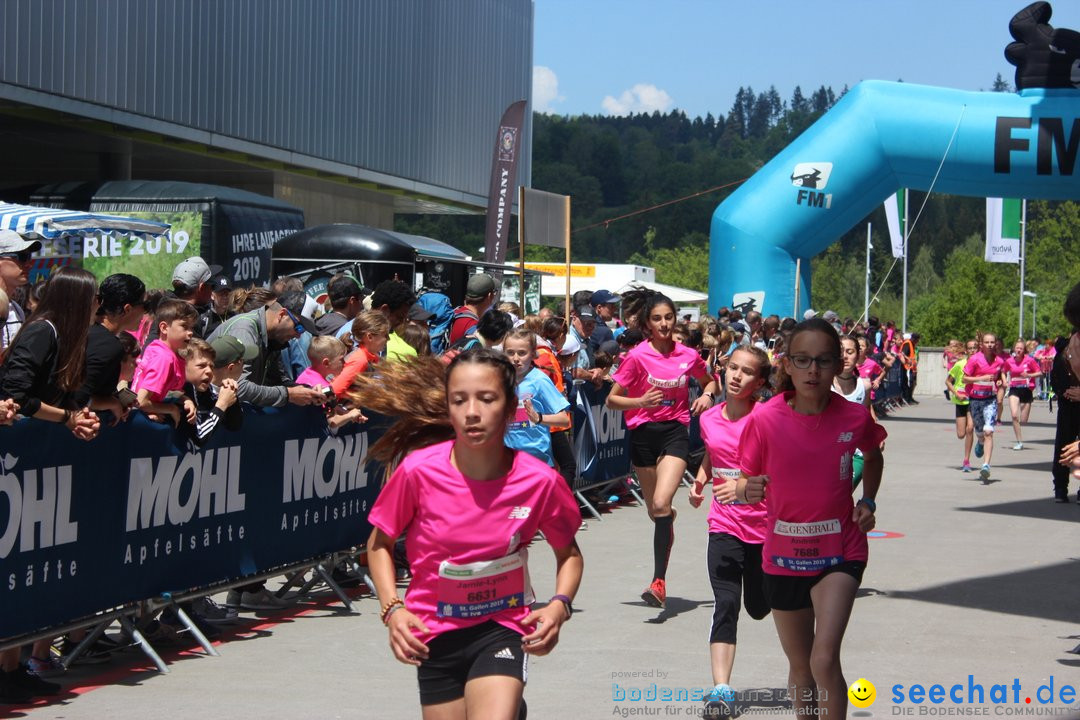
262,600
1018,446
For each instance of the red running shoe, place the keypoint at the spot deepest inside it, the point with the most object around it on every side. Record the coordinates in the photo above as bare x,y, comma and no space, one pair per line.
656,594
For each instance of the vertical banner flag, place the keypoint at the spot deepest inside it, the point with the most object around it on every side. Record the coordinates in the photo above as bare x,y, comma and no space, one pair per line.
1002,230
503,182
895,207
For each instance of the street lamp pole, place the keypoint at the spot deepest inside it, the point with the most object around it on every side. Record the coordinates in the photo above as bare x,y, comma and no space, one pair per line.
1034,308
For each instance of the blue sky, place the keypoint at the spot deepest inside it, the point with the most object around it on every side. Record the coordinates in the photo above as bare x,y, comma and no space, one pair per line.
619,56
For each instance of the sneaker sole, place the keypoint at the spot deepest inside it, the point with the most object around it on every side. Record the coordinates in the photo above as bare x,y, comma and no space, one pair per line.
651,600
984,474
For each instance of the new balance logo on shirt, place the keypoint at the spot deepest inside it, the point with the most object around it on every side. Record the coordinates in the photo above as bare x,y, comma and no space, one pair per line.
505,654
520,512
844,437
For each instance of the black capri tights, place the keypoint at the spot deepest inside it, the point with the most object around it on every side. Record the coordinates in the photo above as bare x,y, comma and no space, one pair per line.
734,570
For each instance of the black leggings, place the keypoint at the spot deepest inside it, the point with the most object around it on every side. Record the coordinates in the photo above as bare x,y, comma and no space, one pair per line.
563,453
1068,428
734,569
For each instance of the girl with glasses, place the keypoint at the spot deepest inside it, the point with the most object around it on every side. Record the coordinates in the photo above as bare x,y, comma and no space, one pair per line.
796,452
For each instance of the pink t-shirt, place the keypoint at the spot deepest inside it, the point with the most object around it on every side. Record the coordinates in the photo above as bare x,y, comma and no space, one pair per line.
977,365
643,368
312,378
1016,368
721,436
453,521
869,369
160,370
808,498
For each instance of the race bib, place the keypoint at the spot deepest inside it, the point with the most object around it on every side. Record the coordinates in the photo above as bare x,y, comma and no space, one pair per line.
722,475
670,388
482,588
807,547
980,392
521,416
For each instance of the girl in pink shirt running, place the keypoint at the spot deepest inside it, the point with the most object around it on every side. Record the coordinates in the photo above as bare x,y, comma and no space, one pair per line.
651,386
1022,370
796,453
469,507
736,530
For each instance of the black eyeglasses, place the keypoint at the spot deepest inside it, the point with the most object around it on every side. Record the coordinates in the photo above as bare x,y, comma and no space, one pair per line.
22,257
802,362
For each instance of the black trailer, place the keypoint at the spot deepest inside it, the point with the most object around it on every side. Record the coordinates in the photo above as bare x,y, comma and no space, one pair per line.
372,255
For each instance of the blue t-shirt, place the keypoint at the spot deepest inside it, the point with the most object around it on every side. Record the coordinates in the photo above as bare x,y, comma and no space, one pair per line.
546,400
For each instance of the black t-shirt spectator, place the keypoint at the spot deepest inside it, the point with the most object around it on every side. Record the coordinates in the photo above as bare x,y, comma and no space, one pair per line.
29,372
104,355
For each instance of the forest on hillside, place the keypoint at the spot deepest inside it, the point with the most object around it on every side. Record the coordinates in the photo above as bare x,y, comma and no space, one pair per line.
644,188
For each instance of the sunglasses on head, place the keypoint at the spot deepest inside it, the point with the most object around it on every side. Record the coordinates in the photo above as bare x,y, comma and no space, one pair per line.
22,257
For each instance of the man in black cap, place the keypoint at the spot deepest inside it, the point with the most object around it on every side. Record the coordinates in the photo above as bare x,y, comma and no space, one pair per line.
346,297
219,311
479,296
16,257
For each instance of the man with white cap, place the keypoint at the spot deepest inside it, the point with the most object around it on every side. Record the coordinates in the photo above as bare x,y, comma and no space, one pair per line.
16,256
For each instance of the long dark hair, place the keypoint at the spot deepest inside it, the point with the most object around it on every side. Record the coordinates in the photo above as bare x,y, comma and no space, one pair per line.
66,304
639,302
414,392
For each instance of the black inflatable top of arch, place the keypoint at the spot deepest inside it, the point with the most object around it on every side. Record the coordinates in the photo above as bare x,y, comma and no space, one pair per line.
1044,57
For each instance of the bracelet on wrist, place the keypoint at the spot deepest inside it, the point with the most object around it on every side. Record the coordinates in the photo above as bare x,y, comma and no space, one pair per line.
869,503
388,608
391,611
565,600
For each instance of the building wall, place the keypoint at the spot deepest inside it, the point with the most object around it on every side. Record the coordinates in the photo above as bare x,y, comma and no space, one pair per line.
413,89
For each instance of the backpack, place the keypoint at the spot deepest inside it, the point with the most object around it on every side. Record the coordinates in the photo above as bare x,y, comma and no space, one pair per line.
460,312
455,349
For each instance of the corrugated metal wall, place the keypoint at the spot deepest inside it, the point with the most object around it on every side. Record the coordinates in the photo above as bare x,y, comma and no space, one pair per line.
412,88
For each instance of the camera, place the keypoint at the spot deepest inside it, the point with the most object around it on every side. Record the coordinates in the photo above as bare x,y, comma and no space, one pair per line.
329,398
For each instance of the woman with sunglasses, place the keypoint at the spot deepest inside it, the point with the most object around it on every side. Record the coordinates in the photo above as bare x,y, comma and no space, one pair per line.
796,452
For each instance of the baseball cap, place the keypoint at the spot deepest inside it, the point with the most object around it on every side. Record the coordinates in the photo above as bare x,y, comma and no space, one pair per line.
570,346
585,312
830,316
221,282
228,350
294,301
811,313
604,297
480,285
193,271
13,242
419,313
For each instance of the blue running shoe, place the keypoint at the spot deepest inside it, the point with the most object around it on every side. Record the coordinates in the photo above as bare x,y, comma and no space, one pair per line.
979,449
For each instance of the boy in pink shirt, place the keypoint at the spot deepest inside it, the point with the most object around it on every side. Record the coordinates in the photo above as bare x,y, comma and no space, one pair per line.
161,369
327,357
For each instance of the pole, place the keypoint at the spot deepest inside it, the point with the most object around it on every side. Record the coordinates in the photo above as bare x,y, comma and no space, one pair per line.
903,323
1034,313
1023,232
566,225
521,247
798,274
866,294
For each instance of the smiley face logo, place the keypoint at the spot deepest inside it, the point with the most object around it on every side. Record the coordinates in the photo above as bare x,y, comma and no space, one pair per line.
862,693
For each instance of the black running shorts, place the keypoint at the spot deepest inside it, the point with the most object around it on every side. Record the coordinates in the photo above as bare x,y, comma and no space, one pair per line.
653,440
457,656
792,592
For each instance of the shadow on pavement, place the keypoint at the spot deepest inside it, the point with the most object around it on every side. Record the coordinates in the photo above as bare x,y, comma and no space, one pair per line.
1042,509
1045,592
673,607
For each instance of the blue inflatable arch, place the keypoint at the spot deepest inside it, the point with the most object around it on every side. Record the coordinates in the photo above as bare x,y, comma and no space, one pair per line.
879,137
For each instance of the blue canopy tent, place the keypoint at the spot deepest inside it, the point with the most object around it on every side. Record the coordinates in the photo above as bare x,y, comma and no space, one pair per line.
39,223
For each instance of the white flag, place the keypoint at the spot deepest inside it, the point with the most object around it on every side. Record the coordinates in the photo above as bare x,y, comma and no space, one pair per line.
1002,230
895,210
